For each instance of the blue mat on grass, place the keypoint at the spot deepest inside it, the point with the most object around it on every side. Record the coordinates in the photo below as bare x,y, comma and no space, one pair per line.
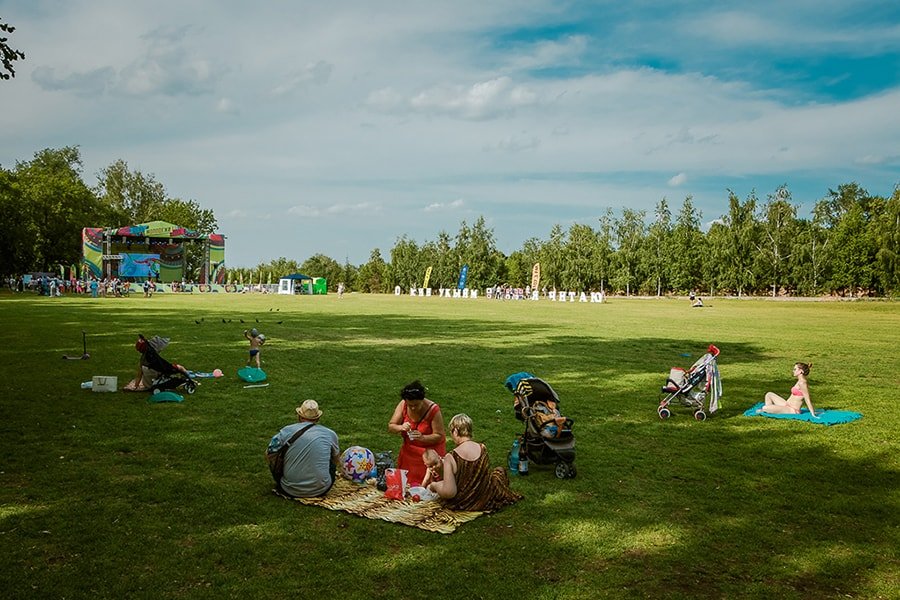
823,417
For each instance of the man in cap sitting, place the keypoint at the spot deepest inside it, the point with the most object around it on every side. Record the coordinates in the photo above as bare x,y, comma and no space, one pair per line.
311,460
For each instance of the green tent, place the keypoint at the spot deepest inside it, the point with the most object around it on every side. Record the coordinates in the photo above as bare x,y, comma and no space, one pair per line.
320,285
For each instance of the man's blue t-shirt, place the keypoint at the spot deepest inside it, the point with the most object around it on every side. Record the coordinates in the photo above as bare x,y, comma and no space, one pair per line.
307,463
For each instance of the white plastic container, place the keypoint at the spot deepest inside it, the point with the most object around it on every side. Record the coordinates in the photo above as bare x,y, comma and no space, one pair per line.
104,383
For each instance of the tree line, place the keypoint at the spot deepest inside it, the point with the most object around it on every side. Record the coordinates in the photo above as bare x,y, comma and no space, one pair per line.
848,245
45,203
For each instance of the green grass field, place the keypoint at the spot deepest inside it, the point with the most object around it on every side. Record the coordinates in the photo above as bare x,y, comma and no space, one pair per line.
111,496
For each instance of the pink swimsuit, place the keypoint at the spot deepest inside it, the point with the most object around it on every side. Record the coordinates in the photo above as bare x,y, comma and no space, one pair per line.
795,392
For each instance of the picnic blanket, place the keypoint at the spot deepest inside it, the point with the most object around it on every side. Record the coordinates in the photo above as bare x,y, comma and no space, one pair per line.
367,501
823,417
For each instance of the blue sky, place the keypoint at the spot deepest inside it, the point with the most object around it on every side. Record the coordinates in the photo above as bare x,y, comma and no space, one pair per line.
335,128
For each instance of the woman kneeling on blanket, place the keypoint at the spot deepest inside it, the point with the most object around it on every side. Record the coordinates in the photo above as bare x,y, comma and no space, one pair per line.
468,482
799,395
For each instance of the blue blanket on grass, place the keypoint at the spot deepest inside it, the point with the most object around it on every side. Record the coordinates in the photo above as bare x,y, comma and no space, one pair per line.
823,417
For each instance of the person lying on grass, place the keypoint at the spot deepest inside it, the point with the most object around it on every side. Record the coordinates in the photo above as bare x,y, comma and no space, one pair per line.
468,481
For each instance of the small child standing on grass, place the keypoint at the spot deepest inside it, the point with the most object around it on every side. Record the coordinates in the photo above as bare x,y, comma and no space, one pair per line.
256,340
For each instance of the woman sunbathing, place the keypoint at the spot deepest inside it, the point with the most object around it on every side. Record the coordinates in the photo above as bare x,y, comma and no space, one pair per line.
799,395
468,482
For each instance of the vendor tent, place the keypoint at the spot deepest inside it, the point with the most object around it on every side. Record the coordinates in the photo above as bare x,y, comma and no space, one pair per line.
298,283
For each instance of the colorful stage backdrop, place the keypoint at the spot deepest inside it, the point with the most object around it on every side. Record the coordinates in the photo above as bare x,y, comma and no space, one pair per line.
154,250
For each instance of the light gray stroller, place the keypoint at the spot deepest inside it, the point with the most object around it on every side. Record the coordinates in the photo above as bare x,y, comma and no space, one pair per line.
692,387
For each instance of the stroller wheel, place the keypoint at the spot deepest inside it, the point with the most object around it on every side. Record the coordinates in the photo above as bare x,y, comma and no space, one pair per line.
664,413
190,387
562,470
700,415
155,391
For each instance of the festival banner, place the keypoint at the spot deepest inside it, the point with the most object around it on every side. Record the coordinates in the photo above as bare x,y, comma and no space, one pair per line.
535,275
463,275
427,278
217,259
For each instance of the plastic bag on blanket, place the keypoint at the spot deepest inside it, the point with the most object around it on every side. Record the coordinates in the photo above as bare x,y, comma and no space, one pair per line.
396,483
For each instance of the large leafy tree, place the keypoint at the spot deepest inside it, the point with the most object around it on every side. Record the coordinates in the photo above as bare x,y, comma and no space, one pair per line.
520,263
320,265
849,210
854,253
657,254
18,230
812,259
740,223
348,276
605,238
779,229
713,256
687,247
135,197
444,273
552,258
629,230
475,246
373,275
58,205
579,258
276,269
887,240
406,264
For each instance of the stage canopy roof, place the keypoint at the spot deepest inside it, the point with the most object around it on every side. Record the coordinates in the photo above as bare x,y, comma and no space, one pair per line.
156,229
299,276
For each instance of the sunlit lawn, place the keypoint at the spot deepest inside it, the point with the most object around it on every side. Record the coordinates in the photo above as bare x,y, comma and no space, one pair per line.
108,495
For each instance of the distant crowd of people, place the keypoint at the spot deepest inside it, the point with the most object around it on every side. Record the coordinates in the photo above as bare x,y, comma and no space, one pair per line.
113,287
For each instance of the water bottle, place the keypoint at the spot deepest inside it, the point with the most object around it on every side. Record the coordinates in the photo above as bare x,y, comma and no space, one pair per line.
514,458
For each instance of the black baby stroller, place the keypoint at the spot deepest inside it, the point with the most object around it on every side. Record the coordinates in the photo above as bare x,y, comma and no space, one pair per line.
692,387
548,437
168,376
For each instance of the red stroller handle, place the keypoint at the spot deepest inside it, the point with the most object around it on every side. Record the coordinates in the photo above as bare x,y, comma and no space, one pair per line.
713,350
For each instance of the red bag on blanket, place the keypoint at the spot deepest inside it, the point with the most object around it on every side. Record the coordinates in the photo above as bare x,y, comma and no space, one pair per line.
396,483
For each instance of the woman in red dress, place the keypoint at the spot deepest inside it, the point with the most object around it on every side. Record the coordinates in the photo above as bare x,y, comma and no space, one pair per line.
420,423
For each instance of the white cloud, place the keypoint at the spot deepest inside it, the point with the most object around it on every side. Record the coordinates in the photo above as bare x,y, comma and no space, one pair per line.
316,73
441,206
482,100
550,53
678,180
358,209
304,210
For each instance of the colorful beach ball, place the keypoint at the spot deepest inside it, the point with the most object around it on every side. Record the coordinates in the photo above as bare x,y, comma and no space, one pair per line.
357,463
